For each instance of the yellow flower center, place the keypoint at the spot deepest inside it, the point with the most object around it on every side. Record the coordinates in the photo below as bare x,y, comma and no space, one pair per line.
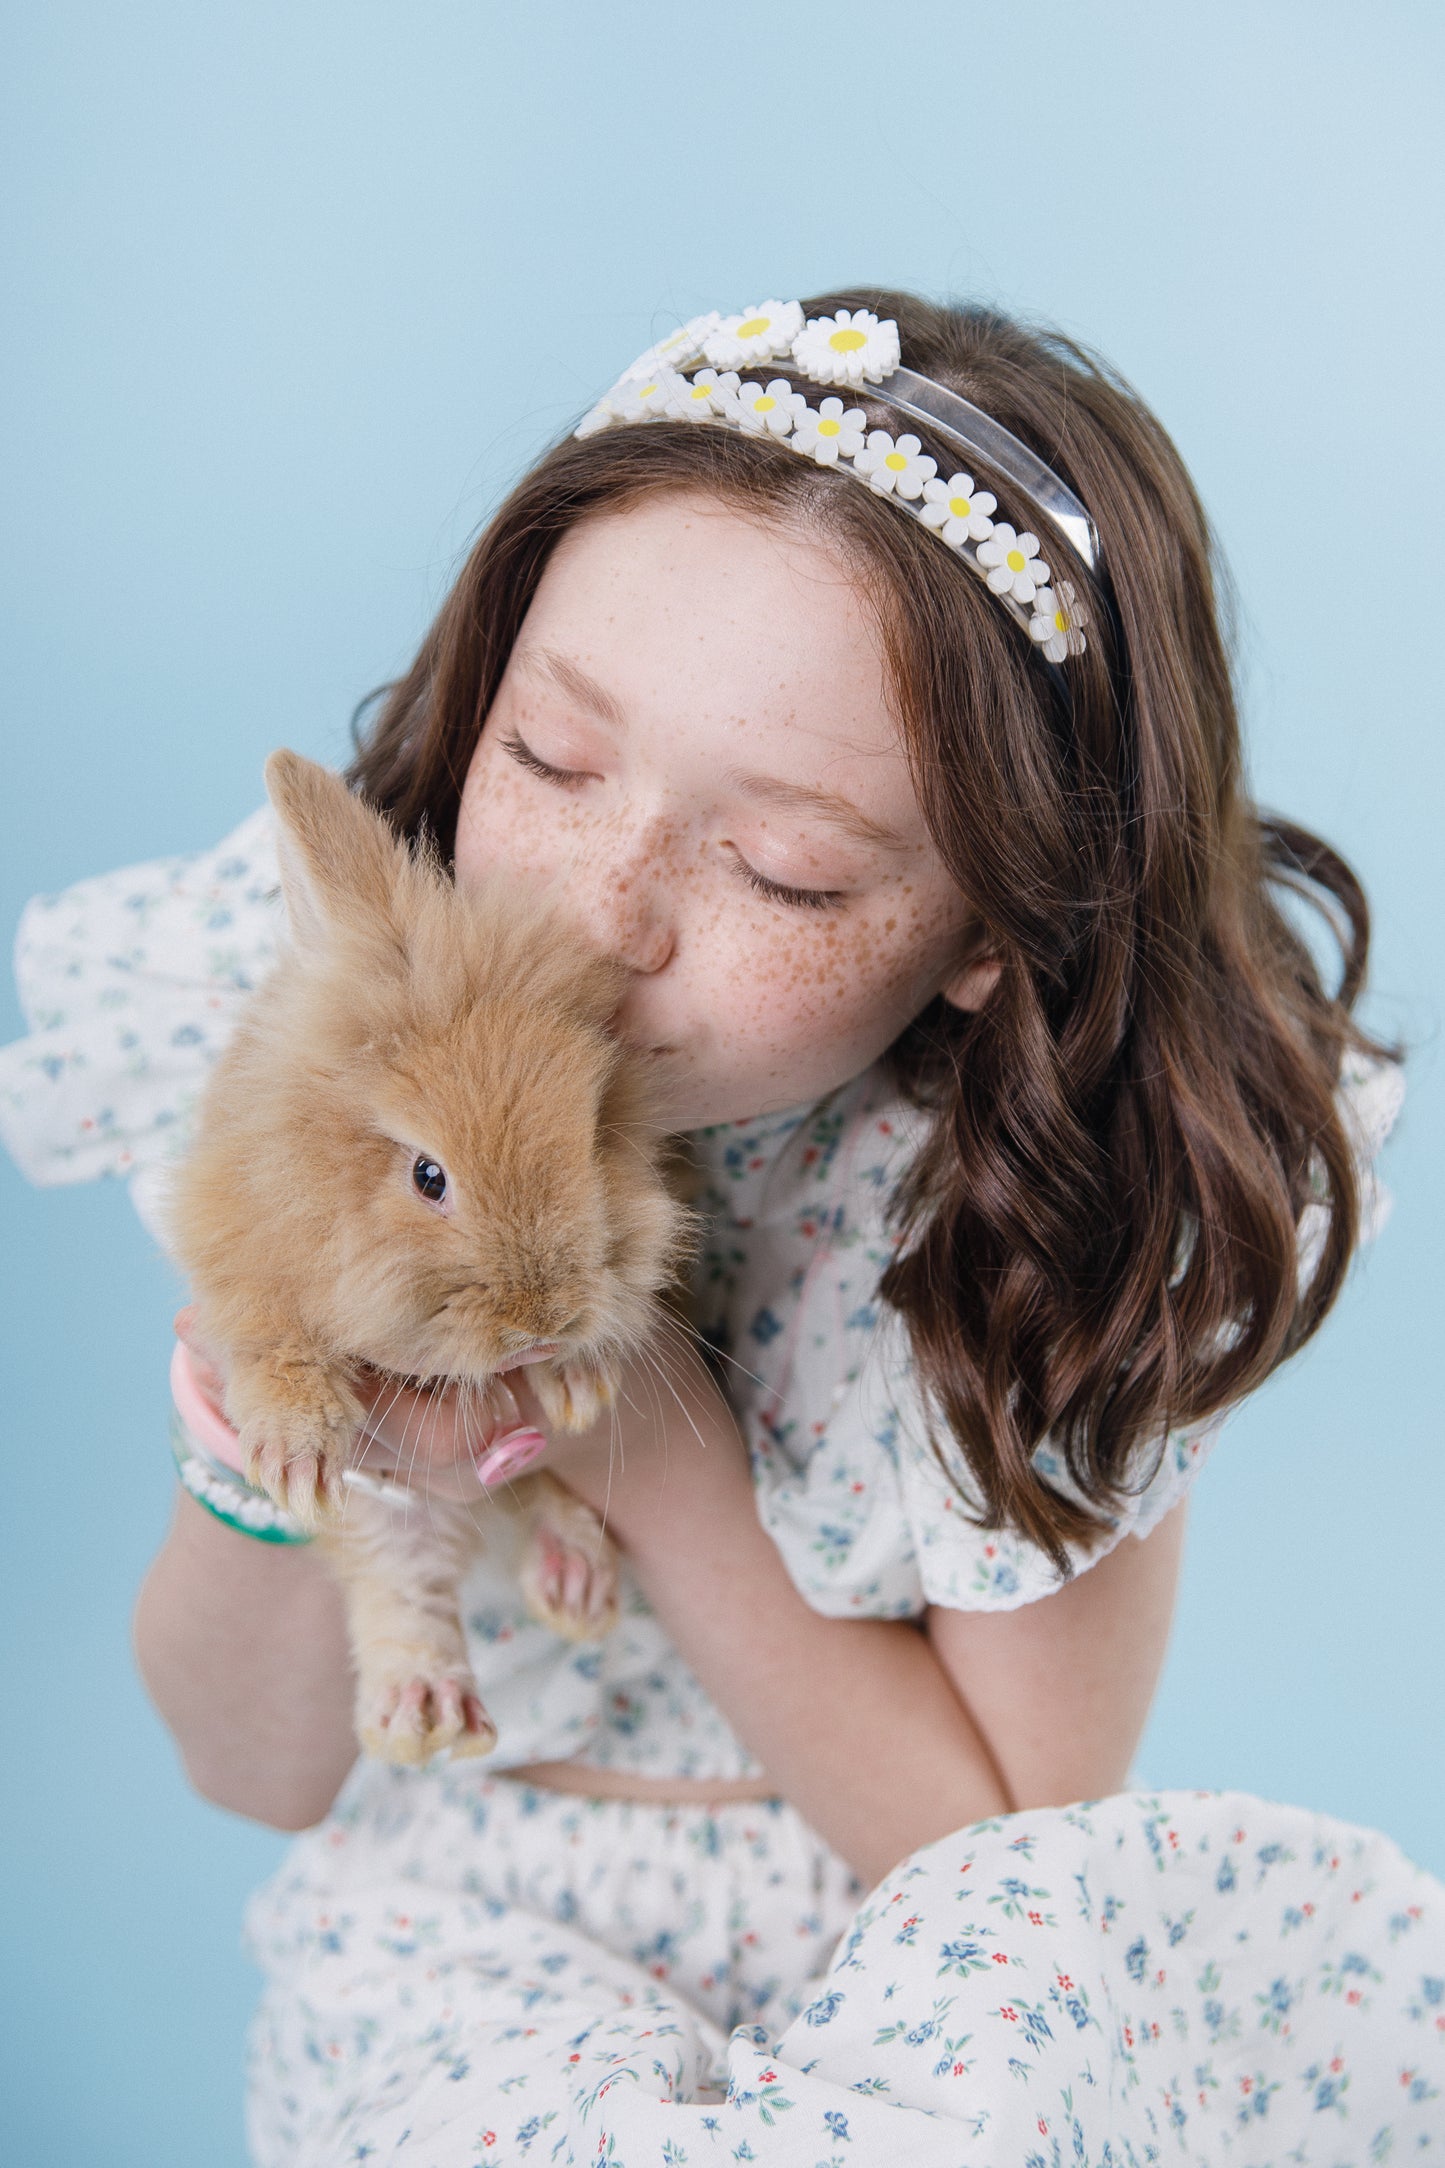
754,327
646,391
960,507
700,392
764,403
847,341
1061,623
1016,561
897,461
830,428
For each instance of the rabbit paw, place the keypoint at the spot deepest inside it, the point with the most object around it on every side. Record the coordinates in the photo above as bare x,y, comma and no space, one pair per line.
574,1396
569,1573
407,1720
298,1461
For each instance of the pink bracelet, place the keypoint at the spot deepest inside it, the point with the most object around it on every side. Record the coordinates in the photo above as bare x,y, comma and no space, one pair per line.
507,1456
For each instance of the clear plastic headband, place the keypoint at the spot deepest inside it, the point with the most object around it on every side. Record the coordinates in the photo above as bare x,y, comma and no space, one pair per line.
853,349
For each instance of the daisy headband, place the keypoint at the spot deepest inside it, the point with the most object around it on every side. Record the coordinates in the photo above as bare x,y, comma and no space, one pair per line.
852,349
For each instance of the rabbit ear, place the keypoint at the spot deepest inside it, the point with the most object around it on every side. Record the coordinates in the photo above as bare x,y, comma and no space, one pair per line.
338,859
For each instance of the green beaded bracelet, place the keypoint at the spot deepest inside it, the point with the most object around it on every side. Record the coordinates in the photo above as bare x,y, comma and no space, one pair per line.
228,1496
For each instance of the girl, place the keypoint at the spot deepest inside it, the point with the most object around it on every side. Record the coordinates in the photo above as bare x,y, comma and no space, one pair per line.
1030,1137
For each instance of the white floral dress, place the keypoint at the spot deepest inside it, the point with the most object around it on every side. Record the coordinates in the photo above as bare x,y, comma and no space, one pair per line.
462,1968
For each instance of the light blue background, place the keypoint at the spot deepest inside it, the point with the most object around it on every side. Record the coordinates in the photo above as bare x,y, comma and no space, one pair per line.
294,293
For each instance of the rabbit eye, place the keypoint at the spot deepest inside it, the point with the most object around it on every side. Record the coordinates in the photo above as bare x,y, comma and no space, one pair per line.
430,1179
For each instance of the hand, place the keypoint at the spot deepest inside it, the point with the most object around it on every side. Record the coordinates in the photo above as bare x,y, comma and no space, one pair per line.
435,1441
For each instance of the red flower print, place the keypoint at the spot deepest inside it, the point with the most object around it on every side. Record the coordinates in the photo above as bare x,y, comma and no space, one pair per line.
999,1957
1338,2064
1173,1836
1238,1837
855,1488
1407,2077
1064,1981
574,2057
960,2069
1010,2013
885,1129
1246,2085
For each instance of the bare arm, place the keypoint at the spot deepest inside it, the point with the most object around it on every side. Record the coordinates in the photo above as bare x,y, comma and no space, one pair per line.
883,1736
855,1720
1061,1689
242,1647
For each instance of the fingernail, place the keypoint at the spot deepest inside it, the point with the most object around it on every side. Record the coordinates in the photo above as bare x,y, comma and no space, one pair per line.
509,1455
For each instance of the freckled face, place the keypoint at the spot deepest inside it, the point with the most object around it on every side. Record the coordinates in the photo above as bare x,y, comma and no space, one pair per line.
692,742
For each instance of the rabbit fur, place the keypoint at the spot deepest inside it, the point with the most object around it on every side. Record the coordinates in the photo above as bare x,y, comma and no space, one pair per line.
412,1024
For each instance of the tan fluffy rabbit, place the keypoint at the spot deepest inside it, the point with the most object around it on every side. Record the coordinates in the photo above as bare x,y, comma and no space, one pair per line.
422,1152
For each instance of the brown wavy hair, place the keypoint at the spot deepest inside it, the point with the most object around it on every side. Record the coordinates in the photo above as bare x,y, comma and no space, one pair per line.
1100,1241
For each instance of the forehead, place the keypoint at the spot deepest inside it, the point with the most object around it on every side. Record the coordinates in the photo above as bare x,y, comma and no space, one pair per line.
702,620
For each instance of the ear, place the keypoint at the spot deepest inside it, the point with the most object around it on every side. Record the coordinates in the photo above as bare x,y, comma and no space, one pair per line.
338,859
972,985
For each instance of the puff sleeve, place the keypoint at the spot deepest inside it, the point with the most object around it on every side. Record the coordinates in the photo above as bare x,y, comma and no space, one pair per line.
848,1486
131,983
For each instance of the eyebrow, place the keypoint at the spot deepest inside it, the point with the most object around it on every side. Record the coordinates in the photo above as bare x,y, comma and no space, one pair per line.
806,798
573,680
773,790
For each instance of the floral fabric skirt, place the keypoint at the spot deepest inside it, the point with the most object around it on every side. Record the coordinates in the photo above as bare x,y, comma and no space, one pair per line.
465,1972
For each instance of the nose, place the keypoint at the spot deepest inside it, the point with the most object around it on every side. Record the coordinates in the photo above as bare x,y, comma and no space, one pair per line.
625,895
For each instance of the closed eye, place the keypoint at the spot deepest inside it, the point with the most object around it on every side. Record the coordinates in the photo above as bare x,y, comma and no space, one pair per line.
535,765
800,899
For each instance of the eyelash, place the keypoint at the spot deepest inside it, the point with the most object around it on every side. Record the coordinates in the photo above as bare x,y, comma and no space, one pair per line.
803,899
526,758
798,899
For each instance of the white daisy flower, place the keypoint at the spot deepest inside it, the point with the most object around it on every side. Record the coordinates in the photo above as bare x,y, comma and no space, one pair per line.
772,408
1014,564
1057,622
676,351
899,469
848,348
830,432
757,334
649,399
960,512
704,395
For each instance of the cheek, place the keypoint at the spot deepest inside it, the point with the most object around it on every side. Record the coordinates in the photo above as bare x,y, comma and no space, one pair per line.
505,823
851,983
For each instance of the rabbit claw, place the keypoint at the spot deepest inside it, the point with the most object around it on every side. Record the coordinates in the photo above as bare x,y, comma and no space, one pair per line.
574,1396
407,1720
569,1573
300,1472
